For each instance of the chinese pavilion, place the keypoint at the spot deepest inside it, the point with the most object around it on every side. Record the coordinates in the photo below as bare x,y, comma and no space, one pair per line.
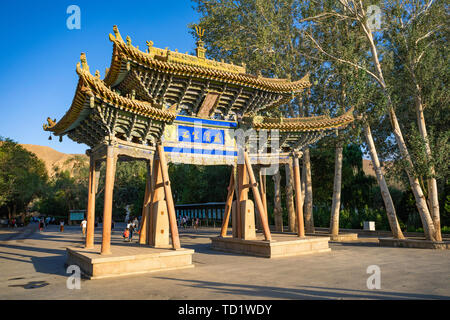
165,106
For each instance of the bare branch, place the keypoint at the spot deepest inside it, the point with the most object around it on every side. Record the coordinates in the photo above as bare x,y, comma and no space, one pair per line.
325,15
342,60
428,34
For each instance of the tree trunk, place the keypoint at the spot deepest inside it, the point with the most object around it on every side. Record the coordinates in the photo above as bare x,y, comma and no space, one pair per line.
388,203
290,197
427,221
308,202
433,196
278,211
336,205
421,203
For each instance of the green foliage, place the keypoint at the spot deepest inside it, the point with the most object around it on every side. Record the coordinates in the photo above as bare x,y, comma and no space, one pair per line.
351,218
65,191
199,184
22,177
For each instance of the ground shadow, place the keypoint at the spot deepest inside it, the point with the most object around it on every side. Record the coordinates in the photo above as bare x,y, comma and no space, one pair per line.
302,292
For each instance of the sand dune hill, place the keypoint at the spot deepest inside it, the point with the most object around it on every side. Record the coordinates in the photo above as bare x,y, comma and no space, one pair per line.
368,168
53,158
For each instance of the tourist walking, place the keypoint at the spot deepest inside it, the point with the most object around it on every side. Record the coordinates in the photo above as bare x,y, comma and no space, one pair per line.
136,224
130,230
83,227
61,226
41,225
196,223
126,234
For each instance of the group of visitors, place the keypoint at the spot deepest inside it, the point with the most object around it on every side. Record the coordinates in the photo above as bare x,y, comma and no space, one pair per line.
186,221
132,226
13,223
43,223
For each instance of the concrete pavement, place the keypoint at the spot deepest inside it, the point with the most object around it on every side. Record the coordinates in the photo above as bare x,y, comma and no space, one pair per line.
32,267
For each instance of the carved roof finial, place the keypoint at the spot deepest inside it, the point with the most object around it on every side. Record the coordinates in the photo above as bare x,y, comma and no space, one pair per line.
200,50
117,33
83,60
50,124
149,46
128,41
200,32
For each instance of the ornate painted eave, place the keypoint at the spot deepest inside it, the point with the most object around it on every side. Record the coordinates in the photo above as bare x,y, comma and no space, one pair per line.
180,64
318,123
92,87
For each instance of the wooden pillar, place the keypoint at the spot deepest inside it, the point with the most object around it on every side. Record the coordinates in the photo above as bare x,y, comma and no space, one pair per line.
298,197
262,188
143,234
91,205
157,194
228,204
241,196
257,198
111,160
169,199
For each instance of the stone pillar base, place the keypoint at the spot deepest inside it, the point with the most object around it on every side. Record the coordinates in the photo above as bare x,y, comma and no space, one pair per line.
127,261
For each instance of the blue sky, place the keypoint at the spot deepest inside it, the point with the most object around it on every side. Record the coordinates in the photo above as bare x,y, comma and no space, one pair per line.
39,53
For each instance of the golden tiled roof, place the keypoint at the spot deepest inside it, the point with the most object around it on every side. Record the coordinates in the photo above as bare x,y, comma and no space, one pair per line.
177,63
303,124
92,86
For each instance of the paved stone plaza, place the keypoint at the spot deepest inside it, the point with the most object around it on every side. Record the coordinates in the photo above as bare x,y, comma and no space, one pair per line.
32,267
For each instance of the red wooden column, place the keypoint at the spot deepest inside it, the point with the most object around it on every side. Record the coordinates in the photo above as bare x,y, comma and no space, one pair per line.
146,207
298,196
91,206
111,159
229,202
257,198
169,199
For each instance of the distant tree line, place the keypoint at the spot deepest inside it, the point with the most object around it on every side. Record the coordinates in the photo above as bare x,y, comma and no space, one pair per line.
26,187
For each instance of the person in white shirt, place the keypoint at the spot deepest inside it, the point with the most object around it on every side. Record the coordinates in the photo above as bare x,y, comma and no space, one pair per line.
136,224
83,227
130,229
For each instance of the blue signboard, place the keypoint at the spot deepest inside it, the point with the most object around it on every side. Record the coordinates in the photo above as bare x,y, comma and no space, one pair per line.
78,215
201,135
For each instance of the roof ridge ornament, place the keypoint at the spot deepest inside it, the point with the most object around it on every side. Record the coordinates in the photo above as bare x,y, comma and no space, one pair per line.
200,50
200,32
149,46
50,124
117,33
84,64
